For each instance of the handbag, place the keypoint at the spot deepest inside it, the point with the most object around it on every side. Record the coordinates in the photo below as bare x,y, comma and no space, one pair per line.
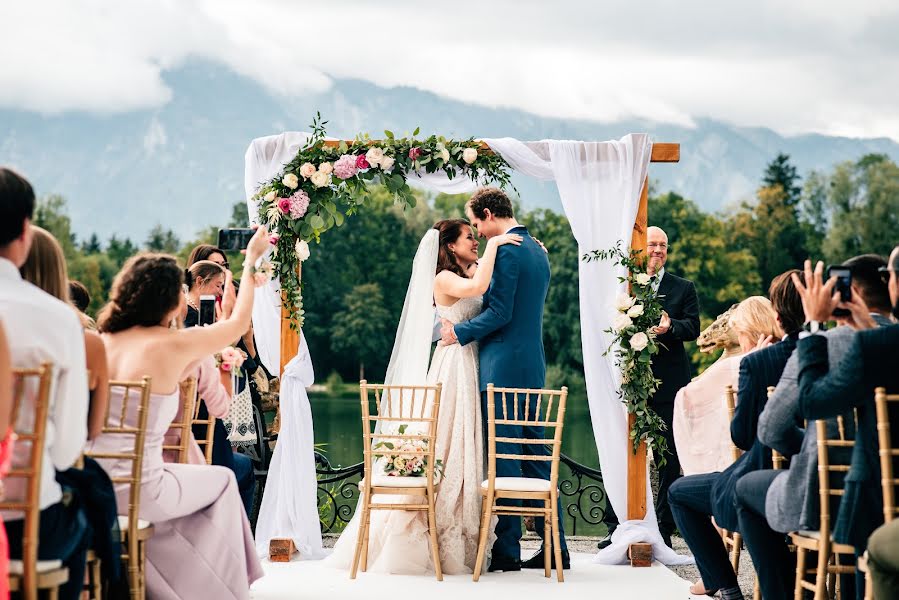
239,423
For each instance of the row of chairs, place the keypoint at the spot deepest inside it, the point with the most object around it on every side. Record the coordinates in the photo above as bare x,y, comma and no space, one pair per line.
29,575
831,475
404,427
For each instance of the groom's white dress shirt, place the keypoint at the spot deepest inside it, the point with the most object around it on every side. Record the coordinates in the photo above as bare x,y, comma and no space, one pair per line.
40,328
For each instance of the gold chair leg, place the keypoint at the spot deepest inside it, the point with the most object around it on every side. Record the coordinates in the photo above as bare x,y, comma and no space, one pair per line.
432,534
96,580
756,590
735,554
821,574
800,572
53,593
547,536
486,513
363,561
360,537
557,547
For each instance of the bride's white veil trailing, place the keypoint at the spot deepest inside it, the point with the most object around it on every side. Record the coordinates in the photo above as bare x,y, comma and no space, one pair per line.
412,346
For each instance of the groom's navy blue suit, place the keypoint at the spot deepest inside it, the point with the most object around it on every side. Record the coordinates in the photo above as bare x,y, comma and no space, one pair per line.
510,332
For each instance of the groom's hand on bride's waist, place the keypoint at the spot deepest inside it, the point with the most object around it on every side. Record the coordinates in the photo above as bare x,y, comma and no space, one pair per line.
447,335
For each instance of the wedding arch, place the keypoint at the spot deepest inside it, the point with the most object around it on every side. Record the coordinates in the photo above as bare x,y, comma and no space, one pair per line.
303,184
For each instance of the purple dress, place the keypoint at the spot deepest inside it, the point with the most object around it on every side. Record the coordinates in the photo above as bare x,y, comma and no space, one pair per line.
202,546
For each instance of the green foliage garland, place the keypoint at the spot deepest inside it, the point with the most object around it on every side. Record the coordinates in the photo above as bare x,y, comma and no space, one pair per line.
324,184
634,344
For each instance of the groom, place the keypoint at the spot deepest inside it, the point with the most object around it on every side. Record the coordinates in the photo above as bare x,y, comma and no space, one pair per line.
510,333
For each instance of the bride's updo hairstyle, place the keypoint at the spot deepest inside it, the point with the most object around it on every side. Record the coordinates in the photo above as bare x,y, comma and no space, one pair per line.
202,270
450,231
144,292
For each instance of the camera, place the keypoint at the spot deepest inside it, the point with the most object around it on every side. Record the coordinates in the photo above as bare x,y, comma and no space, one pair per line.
843,286
207,310
232,240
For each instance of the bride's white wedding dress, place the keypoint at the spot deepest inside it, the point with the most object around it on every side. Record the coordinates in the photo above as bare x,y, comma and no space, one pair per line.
398,542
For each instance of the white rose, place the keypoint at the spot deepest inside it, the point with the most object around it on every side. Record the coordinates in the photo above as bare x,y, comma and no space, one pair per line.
307,170
444,154
639,341
374,156
635,311
621,322
270,197
469,155
291,181
302,250
623,302
642,278
320,179
387,163
326,168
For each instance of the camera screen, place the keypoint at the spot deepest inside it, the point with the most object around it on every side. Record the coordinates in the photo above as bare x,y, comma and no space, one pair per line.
844,282
234,239
207,310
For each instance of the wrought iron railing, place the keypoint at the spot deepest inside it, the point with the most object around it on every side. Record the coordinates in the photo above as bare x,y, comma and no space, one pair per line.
583,494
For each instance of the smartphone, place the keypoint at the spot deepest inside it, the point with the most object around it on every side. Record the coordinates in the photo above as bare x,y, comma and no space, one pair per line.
207,309
843,286
232,240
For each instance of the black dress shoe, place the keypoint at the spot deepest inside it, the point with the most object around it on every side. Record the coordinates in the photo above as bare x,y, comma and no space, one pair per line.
605,542
666,537
536,561
504,564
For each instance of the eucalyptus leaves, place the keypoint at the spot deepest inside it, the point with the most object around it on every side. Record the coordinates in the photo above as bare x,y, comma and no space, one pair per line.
327,182
634,343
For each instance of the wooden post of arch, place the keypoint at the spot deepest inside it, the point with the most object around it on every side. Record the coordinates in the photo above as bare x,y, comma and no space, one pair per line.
636,462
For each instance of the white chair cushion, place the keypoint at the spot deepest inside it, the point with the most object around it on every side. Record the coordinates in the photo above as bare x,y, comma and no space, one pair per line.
16,567
815,535
519,484
398,482
123,523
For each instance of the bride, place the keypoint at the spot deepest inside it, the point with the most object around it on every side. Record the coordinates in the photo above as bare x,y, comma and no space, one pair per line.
445,272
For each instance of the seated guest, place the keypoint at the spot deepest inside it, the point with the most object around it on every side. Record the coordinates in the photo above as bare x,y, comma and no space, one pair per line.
5,450
46,268
206,277
772,503
869,362
41,328
701,421
883,560
196,510
695,498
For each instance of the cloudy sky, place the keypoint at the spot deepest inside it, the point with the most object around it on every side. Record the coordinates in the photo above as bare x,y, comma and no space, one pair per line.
799,66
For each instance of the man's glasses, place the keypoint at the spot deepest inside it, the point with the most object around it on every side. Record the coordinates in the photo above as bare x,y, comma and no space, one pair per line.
884,274
660,245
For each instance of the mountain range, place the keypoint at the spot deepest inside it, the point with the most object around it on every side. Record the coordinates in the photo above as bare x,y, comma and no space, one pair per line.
181,164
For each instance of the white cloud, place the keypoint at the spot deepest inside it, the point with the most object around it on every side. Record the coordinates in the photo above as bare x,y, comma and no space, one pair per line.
823,66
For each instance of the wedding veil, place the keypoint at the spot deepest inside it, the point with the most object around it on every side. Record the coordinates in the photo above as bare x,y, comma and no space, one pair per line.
412,346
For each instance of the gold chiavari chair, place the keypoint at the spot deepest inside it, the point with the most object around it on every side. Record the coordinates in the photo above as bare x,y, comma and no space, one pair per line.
205,443
399,409
529,412
821,541
188,396
888,481
733,541
135,531
29,575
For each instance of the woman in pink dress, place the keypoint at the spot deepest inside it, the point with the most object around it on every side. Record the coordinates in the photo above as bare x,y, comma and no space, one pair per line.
5,451
202,546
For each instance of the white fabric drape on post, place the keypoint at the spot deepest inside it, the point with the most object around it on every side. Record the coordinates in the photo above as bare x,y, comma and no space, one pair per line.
599,184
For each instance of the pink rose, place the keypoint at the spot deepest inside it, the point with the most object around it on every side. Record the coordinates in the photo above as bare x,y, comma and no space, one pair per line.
361,162
345,166
273,239
284,205
226,366
414,153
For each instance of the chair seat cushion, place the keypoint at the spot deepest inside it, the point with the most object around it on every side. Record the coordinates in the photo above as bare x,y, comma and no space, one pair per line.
141,524
519,484
17,568
398,482
815,535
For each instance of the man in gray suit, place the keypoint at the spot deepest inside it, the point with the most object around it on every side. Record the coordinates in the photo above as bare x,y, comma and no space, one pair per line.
791,496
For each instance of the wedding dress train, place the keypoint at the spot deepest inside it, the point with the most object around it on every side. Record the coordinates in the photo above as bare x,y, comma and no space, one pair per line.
398,542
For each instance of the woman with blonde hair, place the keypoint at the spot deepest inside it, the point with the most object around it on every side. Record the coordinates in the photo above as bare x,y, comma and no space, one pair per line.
701,422
46,268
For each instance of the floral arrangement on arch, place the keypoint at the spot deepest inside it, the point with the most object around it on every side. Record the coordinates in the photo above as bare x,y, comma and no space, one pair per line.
634,343
327,182
410,459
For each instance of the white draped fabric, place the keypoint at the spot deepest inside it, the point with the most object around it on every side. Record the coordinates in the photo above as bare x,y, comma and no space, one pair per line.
599,184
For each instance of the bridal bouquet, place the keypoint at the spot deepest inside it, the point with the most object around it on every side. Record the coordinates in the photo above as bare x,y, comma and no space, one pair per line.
404,464
229,358
634,344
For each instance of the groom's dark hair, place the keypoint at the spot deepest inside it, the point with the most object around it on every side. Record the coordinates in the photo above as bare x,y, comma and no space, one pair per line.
16,205
492,199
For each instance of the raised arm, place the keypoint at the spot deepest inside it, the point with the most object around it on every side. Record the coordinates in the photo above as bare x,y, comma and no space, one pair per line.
450,284
197,342
825,392
500,301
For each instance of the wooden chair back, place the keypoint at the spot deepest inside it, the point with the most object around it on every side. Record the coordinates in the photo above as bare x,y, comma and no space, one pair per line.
730,402
888,454
827,470
205,443
129,421
188,397
30,433
416,407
